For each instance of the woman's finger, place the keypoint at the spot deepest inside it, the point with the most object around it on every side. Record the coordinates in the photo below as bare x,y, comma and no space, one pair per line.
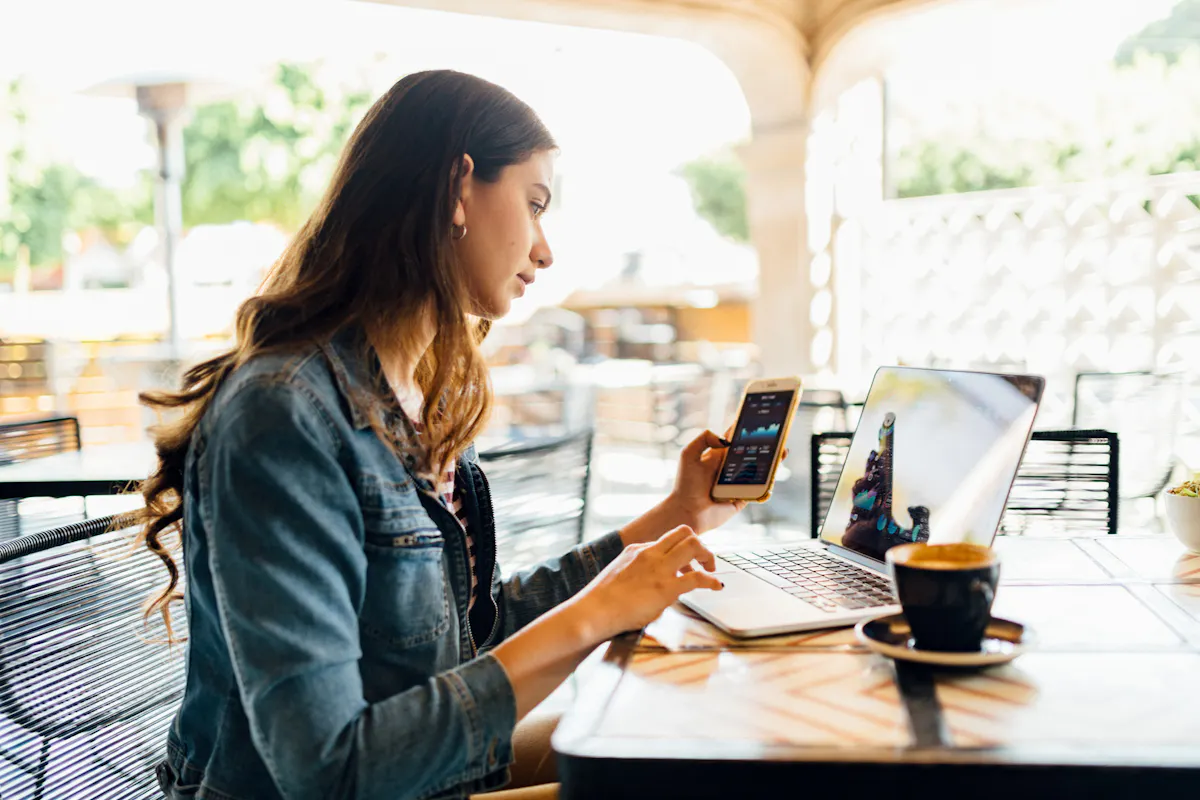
691,549
696,447
699,580
672,538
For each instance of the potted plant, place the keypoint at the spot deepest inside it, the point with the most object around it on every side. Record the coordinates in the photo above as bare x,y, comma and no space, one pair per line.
1183,512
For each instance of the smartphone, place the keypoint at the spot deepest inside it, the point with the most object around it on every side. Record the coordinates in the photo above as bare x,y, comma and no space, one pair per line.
757,441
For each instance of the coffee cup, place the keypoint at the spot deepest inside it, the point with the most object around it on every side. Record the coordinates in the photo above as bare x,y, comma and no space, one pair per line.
946,592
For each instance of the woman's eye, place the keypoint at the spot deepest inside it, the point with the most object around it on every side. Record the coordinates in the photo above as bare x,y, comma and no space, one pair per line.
538,209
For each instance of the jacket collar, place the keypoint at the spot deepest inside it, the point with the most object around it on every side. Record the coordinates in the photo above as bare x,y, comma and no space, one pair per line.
354,364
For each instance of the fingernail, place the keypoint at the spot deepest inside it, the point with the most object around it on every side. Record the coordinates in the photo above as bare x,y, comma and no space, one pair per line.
725,442
722,584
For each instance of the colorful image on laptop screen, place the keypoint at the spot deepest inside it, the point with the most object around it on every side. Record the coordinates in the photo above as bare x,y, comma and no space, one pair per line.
933,459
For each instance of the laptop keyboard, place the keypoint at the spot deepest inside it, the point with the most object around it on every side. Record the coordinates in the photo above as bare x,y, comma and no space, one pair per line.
815,577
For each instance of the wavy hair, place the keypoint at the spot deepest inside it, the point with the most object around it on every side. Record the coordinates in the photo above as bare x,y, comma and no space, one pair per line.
377,254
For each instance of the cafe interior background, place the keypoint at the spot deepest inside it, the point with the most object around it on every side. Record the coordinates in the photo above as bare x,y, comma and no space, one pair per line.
814,188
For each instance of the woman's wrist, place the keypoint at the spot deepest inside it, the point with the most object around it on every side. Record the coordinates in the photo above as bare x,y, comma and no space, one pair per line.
537,658
582,622
670,513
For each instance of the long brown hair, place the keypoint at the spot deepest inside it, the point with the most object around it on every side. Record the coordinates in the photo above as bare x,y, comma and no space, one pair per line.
376,253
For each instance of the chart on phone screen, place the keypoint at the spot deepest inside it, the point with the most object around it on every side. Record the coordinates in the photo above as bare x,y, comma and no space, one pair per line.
755,438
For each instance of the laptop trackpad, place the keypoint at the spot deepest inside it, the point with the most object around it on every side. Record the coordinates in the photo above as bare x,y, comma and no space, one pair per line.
748,603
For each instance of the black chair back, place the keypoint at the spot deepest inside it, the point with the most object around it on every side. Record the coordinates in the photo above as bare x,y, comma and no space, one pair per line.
21,441
1067,482
826,458
87,691
539,492
26,440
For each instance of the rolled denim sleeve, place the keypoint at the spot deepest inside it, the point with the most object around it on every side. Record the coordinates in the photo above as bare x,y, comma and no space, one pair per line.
289,570
528,594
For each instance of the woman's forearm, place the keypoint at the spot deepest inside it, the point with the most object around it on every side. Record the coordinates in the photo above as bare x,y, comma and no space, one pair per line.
540,656
654,523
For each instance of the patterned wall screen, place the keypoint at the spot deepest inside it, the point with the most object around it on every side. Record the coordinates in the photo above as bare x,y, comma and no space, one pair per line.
1077,278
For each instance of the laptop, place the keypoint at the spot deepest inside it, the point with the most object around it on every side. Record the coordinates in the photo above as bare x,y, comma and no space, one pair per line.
933,460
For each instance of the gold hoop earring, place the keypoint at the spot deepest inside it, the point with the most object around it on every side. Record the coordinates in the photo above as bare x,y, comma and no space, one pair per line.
457,232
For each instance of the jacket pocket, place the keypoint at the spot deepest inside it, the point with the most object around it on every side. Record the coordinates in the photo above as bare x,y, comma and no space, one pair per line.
169,783
406,603
392,506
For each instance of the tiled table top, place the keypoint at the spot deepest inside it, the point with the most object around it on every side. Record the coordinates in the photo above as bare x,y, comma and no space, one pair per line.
1112,677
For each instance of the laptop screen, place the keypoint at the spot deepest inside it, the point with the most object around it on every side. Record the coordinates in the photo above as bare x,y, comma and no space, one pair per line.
933,459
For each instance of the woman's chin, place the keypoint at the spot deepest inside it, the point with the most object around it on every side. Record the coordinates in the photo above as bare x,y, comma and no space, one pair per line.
494,310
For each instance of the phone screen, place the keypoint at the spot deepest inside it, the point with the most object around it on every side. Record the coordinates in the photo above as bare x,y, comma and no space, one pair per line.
756,438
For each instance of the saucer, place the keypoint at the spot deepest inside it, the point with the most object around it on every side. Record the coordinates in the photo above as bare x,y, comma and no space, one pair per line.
889,635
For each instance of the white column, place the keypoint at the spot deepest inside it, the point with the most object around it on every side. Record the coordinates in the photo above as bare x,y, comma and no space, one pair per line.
775,195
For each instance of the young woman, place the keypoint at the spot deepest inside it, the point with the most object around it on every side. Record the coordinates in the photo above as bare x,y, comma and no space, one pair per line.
347,632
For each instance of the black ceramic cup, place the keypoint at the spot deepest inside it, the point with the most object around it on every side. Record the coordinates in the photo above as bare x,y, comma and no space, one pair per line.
946,591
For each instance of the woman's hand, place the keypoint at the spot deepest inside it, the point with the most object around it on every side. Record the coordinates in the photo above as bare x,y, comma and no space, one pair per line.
690,501
628,595
640,583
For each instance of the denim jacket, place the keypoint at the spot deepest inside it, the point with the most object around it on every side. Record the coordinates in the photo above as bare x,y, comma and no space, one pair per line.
329,651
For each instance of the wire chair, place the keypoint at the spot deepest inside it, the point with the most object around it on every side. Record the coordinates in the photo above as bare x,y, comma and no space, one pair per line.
539,492
87,691
27,440
1068,482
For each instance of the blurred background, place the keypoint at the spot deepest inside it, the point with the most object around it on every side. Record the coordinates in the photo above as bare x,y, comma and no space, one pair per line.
745,189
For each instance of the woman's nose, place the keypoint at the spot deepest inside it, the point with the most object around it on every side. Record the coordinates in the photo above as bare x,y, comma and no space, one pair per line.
541,254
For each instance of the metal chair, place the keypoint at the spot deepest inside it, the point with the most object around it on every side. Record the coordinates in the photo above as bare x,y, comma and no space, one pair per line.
827,456
21,441
1067,482
87,692
539,493
26,440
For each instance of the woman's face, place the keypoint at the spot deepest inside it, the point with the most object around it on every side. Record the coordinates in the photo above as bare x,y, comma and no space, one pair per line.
504,246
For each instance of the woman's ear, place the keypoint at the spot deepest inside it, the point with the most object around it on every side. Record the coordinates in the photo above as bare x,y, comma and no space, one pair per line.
466,181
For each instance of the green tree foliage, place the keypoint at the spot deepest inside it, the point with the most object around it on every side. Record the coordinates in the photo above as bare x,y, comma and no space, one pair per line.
938,168
718,191
1169,37
263,159
266,161
1147,123
45,202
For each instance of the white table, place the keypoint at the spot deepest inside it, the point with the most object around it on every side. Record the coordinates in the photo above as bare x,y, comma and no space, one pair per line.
100,470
